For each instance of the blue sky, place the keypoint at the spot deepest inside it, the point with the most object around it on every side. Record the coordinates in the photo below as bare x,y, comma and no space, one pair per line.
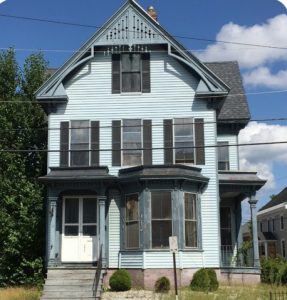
255,21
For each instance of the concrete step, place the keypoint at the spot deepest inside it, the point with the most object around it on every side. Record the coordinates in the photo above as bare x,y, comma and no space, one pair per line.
63,288
70,281
82,298
68,294
75,275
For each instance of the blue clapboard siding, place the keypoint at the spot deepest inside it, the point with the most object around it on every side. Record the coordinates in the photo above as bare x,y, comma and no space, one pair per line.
172,96
130,260
114,229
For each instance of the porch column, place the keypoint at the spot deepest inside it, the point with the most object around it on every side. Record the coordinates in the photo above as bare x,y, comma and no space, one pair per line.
51,231
102,223
252,201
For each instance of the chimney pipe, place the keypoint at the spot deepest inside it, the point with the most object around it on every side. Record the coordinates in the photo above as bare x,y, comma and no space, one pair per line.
152,12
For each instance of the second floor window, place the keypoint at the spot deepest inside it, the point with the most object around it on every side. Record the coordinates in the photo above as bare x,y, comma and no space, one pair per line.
223,156
80,142
183,140
132,142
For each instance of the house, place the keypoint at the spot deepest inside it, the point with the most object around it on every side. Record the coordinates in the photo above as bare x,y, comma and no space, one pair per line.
142,146
272,226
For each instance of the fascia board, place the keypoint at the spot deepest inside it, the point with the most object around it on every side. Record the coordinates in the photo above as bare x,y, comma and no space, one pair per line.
272,209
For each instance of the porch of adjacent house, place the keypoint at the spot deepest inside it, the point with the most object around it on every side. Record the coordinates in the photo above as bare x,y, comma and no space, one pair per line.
240,259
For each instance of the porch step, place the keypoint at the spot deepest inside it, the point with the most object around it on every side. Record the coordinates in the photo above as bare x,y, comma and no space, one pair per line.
71,283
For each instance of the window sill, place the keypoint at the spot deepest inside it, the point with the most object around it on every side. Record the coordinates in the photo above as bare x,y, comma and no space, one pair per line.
131,93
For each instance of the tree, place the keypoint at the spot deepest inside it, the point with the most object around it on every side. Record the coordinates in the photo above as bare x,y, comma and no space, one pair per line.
22,122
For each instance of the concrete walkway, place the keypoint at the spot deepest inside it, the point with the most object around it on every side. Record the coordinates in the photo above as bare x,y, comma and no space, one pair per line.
132,295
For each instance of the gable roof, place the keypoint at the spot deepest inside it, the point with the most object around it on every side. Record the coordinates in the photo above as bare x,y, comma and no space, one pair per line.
210,83
235,105
276,200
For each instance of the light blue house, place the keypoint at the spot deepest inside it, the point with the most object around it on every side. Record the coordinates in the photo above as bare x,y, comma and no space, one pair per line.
142,146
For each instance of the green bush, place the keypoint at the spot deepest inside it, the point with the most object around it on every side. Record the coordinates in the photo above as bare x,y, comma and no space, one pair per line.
120,281
162,285
274,271
204,280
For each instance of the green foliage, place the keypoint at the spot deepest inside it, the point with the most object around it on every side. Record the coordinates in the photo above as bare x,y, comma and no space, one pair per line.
162,285
120,281
244,251
204,280
274,271
21,195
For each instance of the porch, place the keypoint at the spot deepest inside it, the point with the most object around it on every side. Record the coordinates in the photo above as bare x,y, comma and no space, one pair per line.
238,255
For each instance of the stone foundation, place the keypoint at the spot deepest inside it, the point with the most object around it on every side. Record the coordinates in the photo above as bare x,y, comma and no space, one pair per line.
147,278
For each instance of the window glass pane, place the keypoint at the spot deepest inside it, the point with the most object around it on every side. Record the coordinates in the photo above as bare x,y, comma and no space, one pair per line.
132,221
131,82
79,158
79,132
190,206
184,140
89,210
225,226
131,62
132,235
223,156
161,205
161,231
71,210
190,234
90,230
71,230
132,207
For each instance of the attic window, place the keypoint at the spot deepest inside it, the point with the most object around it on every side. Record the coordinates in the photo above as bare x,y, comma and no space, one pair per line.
131,73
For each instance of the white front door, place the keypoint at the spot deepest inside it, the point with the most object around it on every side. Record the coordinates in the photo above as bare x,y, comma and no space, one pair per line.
80,230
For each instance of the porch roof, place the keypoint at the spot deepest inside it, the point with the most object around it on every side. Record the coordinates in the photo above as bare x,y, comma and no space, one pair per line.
77,174
238,184
266,236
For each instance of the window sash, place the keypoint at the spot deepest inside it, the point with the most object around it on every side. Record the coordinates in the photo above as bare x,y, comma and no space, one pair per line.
80,143
161,218
132,221
223,156
183,131
131,73
132,152
191,220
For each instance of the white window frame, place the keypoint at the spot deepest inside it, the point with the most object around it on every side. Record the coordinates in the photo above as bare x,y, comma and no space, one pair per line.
226,161
173,134
70,135
122,143
197,221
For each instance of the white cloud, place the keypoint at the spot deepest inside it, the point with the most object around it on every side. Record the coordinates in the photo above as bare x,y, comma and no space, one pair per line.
262,158
263,77
273,33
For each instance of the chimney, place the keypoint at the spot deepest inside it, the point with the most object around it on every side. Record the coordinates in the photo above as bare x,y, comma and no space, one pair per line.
152,12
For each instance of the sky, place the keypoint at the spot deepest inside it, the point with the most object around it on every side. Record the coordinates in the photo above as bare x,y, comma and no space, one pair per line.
264,69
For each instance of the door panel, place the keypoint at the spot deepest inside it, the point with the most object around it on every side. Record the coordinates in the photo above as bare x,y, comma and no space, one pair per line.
80,230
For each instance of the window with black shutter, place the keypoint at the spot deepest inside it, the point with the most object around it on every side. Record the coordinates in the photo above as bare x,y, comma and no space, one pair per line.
130,73
79,143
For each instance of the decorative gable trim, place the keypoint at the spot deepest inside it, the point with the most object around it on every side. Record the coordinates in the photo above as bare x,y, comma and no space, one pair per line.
130,28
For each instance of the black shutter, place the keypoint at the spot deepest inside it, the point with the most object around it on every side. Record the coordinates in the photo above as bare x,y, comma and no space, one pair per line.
146,73
95,143
116,143
199,141
116,73
64,144
147,142
168,142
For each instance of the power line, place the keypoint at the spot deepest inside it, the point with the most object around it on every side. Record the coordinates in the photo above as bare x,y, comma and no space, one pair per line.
175,36
238,121
142,148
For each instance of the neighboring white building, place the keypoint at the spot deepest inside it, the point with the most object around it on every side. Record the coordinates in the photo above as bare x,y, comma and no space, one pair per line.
136,159
272,226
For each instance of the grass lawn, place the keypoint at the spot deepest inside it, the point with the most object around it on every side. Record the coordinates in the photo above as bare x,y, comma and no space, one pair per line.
234,292
19,294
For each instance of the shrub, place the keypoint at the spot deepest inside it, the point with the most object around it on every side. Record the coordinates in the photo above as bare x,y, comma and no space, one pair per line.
162,285
204,280
120,281
274,270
